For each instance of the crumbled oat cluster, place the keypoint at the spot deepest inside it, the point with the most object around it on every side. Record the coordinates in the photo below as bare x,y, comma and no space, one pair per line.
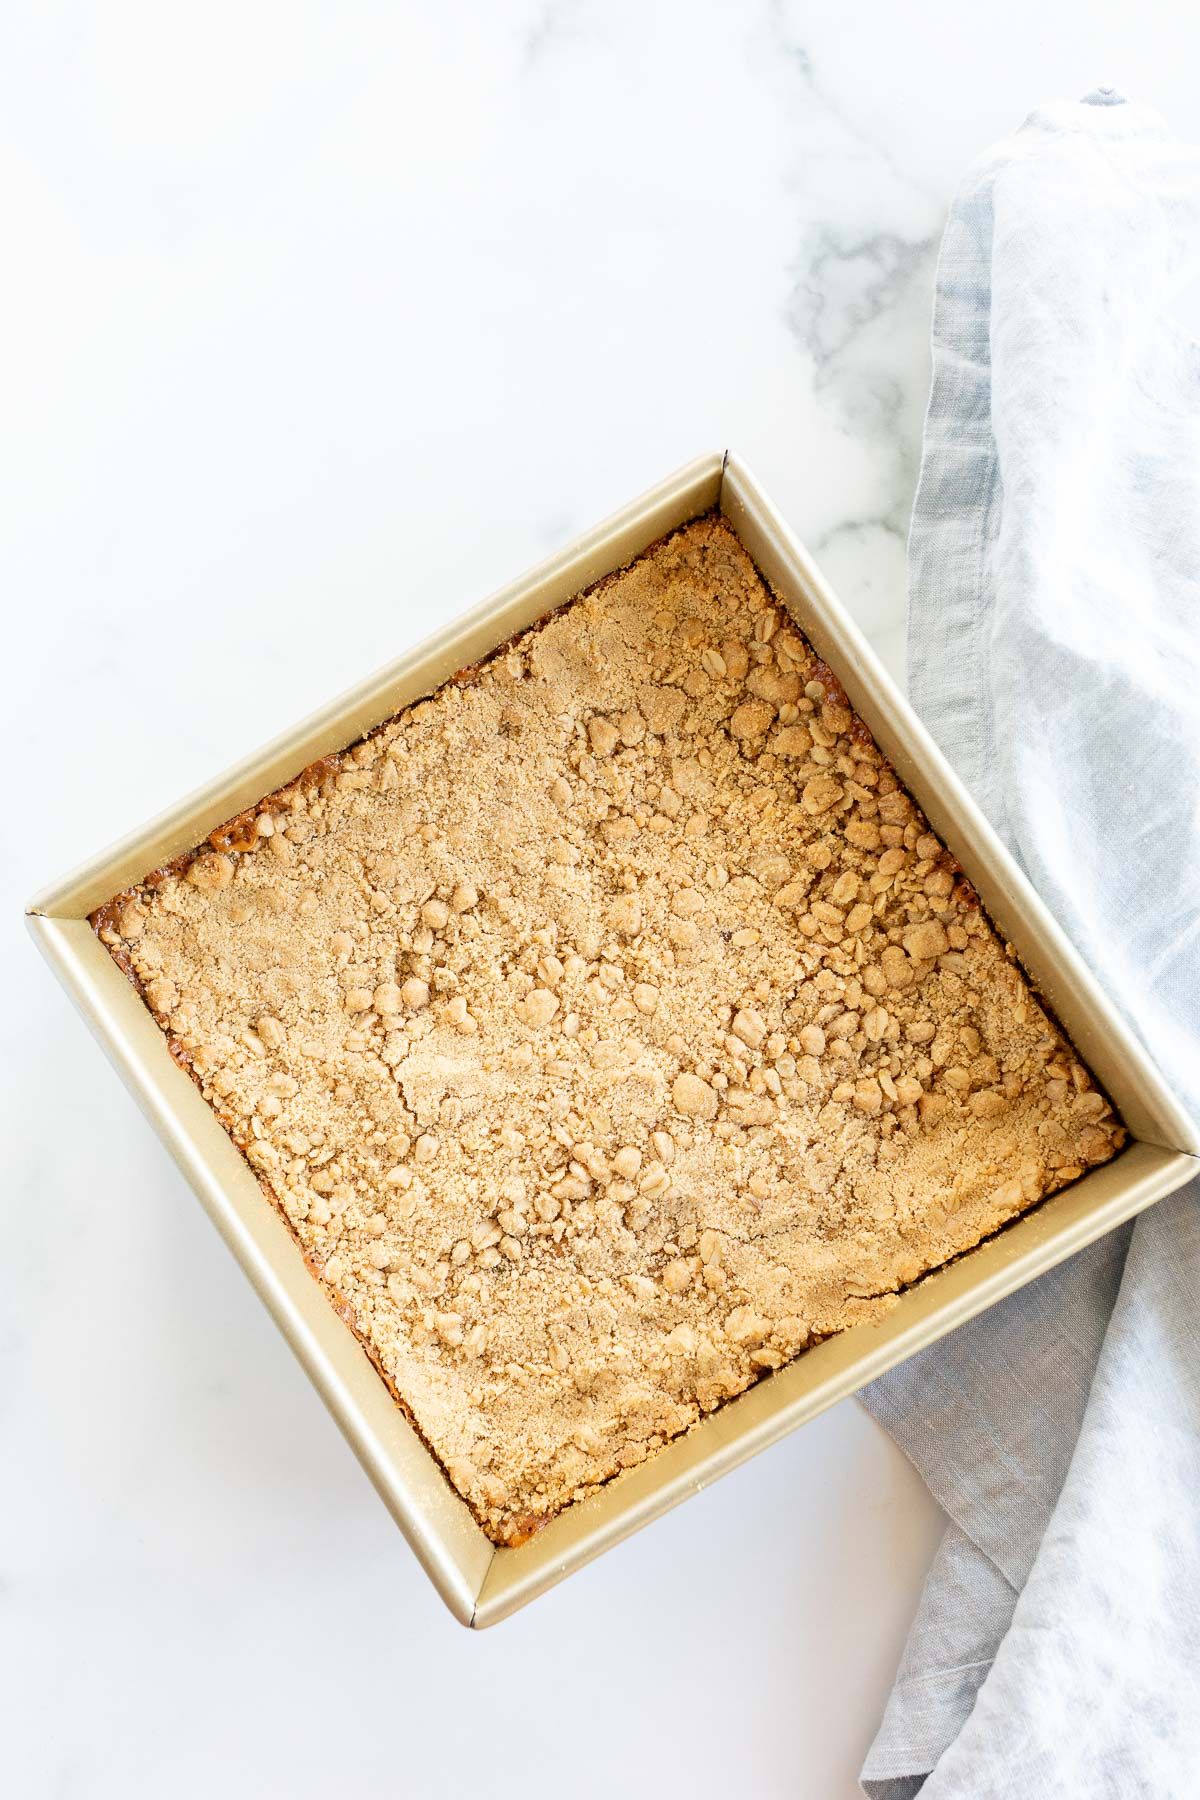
608,1027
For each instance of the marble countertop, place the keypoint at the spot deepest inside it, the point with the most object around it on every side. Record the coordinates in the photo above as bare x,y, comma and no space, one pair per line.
322,321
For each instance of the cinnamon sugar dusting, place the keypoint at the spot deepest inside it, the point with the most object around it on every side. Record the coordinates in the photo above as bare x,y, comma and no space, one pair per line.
608,1027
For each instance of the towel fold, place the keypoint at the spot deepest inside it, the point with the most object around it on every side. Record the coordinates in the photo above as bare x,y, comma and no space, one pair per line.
1054,652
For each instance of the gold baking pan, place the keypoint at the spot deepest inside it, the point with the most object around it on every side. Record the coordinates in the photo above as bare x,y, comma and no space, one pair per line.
479,1582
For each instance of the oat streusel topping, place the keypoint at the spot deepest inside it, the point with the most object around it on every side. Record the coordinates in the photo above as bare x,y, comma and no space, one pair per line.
608,1027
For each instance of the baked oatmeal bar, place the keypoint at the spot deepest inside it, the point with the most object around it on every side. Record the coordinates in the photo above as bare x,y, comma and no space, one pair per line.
608,1027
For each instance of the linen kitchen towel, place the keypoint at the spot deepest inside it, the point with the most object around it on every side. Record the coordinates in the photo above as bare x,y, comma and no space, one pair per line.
1054,652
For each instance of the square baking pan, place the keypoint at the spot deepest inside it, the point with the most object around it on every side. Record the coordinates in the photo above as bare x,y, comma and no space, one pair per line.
480,1582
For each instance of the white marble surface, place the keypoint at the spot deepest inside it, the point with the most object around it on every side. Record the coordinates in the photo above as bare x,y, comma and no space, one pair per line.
321,321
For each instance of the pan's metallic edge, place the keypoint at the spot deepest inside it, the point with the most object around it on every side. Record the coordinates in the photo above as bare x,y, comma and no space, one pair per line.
479,1583
449,1544
830,1372
610,545
1109,1046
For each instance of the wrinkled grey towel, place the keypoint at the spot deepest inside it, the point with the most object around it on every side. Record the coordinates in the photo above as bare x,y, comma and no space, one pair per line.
1054,643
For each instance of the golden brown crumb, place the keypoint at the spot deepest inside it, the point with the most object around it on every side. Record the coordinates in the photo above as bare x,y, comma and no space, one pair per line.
608,1027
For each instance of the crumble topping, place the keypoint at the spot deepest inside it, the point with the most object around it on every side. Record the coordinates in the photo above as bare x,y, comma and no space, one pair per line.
608,1027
